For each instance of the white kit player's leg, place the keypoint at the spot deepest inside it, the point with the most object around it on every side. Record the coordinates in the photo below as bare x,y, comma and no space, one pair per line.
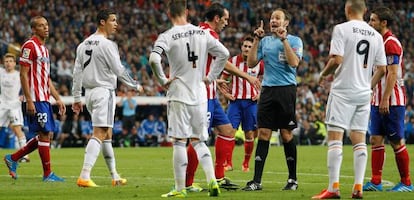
204,157
180,161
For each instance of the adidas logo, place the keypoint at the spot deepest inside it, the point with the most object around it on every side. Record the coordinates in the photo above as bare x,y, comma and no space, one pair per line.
291,123
205,155
258,158
253,186
362,155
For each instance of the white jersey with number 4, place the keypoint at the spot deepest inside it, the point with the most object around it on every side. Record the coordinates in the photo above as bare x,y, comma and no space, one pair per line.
187,47
361,47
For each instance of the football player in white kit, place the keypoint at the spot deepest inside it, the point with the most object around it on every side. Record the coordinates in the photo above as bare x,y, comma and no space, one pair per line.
187,48
97,67
10,104
355,49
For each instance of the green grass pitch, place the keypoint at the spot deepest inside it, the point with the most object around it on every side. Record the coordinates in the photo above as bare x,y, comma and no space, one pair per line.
149,173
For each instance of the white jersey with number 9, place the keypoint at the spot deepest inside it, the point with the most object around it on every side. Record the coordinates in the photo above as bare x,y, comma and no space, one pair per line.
361,47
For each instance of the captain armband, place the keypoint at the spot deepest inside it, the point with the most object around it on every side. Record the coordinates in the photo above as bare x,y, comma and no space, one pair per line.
393,60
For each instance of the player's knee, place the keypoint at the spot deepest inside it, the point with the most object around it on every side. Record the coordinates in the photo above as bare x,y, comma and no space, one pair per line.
286,135
179,142
376,141
227,131
194,140
264,134
249,135
396,144
44,136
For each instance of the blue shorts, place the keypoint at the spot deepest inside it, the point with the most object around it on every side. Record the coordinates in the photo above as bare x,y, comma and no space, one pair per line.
391,125
243,111
43,120
215,114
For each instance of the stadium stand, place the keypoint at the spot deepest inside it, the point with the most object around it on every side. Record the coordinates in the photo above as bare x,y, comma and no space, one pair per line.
140,20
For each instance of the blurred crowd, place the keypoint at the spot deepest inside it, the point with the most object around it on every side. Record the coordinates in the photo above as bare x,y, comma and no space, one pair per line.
140,21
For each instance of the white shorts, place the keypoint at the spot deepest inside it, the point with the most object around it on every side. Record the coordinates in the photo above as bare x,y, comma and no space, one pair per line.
11,114
344,115
187,121
101,103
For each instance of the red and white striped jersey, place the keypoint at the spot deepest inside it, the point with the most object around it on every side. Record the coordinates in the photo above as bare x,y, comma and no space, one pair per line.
241,88
212,88
398,95
36,56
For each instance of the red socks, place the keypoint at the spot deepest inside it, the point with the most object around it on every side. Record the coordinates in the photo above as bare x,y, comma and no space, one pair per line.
248,150
44,152
30,146
401,157
229,155
223,146
403,162
192,165
377,163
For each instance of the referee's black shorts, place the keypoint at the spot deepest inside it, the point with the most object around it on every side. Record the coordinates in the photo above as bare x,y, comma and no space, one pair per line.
277,108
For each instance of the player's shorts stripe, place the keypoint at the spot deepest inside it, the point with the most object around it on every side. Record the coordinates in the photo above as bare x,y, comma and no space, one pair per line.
110,106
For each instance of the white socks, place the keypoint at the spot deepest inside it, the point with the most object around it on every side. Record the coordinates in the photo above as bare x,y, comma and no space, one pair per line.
22,142
180,162
334,164
360,162
204,158
335,161
91,154
108,154
92,151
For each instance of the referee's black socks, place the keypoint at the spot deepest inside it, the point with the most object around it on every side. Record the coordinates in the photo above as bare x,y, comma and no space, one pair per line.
291,157
262,150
